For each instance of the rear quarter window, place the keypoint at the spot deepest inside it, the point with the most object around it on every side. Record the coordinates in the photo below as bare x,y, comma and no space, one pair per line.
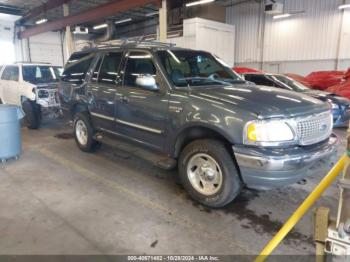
77,67
109,68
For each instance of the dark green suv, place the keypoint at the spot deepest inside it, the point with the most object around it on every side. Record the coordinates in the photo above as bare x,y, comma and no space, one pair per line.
193,110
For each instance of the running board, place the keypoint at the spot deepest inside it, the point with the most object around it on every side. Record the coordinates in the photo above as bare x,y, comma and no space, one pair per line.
156,159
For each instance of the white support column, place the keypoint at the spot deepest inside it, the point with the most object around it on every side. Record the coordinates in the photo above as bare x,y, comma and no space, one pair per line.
342,47
163,23
21,46
69,46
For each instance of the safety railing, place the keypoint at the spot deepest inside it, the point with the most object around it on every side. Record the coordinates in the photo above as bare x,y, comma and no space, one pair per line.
303,208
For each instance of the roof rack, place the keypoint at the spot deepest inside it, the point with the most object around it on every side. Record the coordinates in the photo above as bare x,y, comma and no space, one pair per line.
32,62
133,43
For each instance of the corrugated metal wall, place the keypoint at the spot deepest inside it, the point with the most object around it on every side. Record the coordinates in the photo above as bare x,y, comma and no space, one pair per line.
311,35
47,48
245,18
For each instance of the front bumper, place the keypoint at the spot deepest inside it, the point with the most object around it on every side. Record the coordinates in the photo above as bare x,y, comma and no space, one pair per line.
51,101
265,168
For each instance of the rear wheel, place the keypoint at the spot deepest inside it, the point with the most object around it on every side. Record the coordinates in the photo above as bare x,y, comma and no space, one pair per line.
208,173
32,112
84,132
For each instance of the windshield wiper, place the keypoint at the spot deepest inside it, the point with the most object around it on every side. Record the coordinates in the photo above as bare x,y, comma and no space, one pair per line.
235,81
193,78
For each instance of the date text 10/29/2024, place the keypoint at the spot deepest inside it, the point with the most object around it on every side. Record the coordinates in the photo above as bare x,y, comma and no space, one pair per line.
173,258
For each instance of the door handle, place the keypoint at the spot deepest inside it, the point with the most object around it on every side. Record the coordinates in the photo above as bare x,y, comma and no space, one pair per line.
124,99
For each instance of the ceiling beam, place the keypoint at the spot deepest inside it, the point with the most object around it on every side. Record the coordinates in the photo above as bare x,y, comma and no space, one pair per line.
95,14
10,10
36,11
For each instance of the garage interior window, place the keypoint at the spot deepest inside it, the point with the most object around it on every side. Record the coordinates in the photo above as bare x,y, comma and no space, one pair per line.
10,73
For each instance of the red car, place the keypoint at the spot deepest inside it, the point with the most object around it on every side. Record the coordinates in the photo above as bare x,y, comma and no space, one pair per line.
242,70
342,89
323,79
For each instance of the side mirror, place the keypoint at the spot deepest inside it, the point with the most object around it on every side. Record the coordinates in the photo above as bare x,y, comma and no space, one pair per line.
147,82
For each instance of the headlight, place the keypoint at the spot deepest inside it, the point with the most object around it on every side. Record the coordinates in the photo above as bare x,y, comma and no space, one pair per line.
268,133
43,94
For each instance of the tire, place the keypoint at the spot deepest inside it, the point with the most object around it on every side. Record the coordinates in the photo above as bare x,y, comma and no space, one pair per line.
84,132
212,156
32,112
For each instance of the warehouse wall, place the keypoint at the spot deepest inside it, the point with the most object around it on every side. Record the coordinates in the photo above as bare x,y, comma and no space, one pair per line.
220,42
7,52
46,47
302,43
6,30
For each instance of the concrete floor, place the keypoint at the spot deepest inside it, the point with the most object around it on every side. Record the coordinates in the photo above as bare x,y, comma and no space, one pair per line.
58,200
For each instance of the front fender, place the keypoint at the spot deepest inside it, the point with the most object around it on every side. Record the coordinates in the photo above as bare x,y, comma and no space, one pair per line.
187,111
229,128
26,90
228,122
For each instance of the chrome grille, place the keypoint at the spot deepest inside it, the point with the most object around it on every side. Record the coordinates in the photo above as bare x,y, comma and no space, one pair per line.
53,97
315,128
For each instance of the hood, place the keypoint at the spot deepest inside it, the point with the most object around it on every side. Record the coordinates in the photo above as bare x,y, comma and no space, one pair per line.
52,85
326,96
263,101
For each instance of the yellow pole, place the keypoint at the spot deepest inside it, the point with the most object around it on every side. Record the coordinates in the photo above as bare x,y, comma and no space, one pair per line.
302,209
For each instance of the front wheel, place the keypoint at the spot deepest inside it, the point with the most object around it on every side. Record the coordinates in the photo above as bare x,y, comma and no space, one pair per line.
32,112
84,132
208,173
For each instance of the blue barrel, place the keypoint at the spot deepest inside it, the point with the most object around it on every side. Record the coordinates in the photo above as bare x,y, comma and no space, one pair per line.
10,132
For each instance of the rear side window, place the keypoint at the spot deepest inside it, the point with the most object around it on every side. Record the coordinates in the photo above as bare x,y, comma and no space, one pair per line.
259,80
10,73
109,68
77,67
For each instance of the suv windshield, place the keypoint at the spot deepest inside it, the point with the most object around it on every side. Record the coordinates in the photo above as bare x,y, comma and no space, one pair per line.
290,83
196,68
36,74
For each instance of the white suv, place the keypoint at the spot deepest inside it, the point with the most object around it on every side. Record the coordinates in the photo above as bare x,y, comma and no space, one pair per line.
32,86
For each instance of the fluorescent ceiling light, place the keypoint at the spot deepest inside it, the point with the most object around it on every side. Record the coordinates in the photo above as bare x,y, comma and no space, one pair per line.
41,21
11,18
96,27
281,16
201,2
123,21
344,6
152,14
